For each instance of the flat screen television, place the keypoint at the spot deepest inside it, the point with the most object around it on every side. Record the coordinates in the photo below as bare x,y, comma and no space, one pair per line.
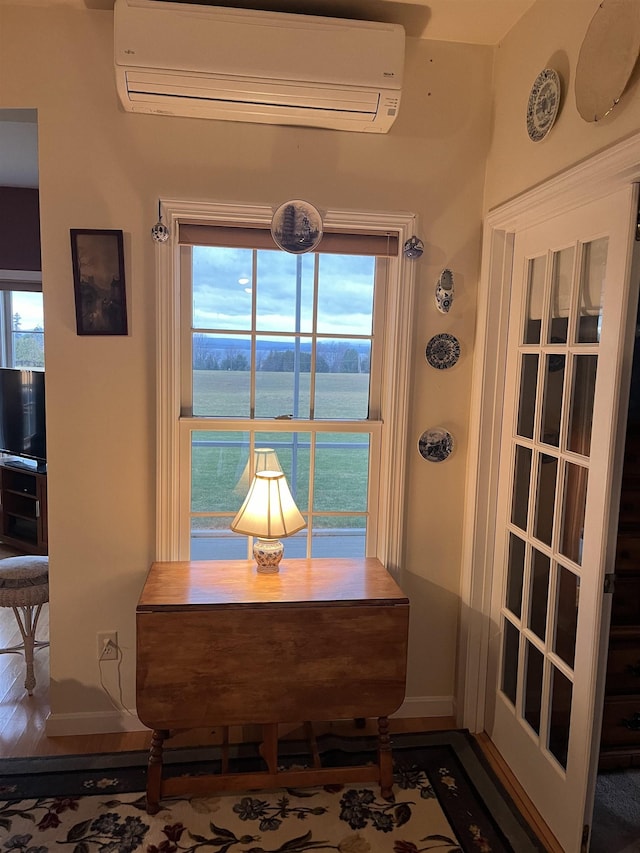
22,415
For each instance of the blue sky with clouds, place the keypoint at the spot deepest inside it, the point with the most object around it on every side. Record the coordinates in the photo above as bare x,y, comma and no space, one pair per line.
223,289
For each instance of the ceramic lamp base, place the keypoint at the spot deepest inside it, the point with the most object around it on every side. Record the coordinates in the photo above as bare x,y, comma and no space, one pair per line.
268,553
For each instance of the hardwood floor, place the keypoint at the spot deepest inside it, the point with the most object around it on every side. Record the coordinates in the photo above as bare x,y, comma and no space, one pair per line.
22,717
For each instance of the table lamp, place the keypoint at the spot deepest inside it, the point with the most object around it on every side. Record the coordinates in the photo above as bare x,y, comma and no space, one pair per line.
267,513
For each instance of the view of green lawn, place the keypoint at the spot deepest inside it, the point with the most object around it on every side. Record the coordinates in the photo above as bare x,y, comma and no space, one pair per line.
341,459
225,393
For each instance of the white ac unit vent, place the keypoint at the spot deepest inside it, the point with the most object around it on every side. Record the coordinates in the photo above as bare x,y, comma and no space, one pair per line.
270,67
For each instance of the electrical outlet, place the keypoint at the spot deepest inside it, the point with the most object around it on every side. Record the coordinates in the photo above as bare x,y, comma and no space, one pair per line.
107,645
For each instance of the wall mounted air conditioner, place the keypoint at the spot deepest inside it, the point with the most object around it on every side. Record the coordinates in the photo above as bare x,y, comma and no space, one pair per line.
270,67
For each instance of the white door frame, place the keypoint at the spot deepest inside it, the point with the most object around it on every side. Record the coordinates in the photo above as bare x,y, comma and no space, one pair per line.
601,175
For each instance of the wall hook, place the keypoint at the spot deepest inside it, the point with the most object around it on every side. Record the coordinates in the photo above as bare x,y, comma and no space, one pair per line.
160,232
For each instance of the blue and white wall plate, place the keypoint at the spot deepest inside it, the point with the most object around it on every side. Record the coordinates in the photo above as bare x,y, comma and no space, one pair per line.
444,291
542,107
443,351
435,445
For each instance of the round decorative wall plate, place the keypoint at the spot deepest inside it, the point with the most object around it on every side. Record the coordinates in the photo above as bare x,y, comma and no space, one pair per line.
443,351
544,100
607,58
435,445
296,227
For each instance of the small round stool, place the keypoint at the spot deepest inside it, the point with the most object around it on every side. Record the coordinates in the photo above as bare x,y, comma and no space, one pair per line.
24,586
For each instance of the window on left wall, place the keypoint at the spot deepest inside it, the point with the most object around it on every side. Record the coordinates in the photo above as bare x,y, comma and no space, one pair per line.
21,325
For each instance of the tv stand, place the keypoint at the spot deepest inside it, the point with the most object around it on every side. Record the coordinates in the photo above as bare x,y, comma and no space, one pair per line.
16,462
23,506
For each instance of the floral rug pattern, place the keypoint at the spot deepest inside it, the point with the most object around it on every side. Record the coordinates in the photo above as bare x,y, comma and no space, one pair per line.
436,806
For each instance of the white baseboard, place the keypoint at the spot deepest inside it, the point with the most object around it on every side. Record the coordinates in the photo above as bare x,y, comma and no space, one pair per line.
426,706
109,722
97,723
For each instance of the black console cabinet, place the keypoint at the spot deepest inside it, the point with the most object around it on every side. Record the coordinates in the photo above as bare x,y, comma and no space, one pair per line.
23,509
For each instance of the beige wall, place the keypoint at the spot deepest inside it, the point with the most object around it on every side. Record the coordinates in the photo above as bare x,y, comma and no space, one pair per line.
549,35
103,168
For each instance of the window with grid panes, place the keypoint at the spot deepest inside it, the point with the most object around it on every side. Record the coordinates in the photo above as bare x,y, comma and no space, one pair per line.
21,321
282,365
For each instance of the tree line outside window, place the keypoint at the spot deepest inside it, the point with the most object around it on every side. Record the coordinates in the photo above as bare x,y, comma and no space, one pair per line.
28,345
330,358
22,327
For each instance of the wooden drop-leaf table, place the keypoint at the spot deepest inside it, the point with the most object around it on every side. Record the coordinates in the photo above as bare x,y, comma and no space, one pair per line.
220,645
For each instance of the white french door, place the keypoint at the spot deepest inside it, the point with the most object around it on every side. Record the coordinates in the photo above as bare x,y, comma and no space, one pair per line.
557,502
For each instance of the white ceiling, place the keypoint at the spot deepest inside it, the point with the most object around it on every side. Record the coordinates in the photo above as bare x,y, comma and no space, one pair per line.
470,21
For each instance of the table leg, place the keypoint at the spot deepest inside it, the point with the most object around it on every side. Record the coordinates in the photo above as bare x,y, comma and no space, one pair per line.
313,744
225,750
269,747
154,770
385,759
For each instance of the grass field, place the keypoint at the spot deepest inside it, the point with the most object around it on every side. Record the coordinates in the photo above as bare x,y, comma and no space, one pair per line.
225,393
341,459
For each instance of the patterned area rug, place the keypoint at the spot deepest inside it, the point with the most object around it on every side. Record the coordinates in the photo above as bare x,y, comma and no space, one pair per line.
445,799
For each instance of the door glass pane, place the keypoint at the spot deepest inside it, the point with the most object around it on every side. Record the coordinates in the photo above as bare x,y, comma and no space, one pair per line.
515,575
561,295
560,716
534,662
539,593
527,405
522,476
221,375
552,406
574,503
566,615
545,498
535,299
511,639
591,290
581,413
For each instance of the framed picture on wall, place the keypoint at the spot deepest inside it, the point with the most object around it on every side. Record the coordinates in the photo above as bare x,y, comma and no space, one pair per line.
98,280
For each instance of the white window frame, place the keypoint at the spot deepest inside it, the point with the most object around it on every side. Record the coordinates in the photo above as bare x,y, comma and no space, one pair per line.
398,314
10,281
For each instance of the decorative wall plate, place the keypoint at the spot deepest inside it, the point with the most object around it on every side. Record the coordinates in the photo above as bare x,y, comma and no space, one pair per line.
544,100
607,57
296,227
435,445
443,351
444,291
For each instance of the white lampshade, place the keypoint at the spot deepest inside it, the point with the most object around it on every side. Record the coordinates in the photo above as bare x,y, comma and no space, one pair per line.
264,459
269,510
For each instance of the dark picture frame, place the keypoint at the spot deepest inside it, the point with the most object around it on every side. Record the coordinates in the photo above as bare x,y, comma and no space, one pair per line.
99,282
